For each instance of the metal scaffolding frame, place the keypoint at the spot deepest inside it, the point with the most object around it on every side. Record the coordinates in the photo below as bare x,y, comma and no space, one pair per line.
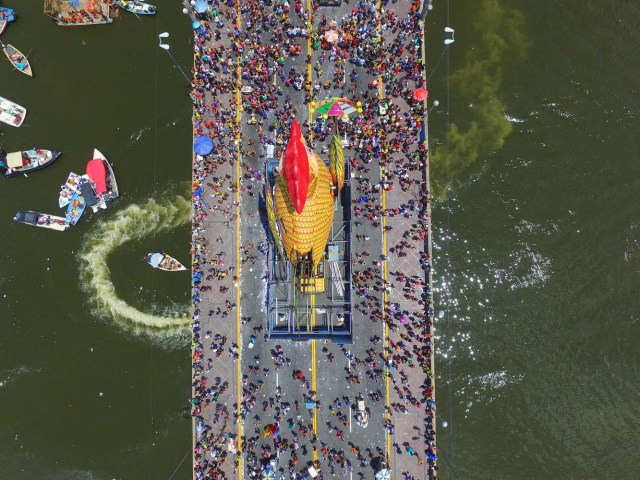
289,312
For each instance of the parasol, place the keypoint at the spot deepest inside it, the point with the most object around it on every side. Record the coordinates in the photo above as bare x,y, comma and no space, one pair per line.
268,474
272,430
419,94
383,474
331,36
203,145
336,107
201,6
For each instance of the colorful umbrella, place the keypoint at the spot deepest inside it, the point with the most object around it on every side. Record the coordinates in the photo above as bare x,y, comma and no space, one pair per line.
419,94
336,107
272,430
203,145
331,36
383,474
268,474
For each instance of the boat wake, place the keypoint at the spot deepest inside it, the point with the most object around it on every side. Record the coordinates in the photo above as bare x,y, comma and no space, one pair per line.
133,223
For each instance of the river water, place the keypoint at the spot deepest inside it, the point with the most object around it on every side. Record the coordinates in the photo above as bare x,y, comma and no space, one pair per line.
84,395
537,246
538,239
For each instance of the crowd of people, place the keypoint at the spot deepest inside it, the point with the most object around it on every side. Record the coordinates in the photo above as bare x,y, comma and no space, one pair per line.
384,153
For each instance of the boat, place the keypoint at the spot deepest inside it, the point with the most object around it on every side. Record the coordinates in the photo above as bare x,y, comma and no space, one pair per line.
68,189
15,163
75,209
43,220
17,59
134,6
4,21
100,172
162,261
11,113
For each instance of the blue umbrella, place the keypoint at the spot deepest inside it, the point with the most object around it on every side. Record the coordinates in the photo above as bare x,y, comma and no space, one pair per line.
201,6
196,24
203,145
268,474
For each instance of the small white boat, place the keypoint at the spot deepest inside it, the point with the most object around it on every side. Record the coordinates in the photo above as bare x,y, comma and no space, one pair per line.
162,261
11,113
42,220
17,59
137,7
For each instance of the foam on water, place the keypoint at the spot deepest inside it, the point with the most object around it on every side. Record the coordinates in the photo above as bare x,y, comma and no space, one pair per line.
9,376
133,223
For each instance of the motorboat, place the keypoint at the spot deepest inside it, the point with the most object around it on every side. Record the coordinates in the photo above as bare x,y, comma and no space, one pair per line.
18,59
42,220
11,113
75,209
68,189
16,163
134,6
4,20
162,261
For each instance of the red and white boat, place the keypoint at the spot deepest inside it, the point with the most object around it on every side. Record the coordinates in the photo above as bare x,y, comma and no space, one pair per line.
100,172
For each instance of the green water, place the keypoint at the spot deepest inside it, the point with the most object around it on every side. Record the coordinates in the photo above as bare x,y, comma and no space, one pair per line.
539,241
108,87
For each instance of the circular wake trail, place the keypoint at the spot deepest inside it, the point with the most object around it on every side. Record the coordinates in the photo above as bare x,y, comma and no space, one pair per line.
133,223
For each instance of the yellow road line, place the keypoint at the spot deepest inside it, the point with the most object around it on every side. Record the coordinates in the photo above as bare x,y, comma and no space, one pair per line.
313,387
385,269
313,295
238,258
309,51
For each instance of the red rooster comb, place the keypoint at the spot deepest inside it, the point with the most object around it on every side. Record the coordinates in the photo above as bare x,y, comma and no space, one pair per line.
296,167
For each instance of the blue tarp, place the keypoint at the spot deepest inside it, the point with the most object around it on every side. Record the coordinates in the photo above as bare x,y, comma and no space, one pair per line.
203,145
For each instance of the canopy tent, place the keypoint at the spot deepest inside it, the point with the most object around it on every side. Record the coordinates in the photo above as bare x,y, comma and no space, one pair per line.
14,160
203,145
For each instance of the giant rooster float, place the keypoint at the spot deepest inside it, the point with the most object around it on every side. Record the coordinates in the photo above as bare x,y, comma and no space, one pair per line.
300,205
